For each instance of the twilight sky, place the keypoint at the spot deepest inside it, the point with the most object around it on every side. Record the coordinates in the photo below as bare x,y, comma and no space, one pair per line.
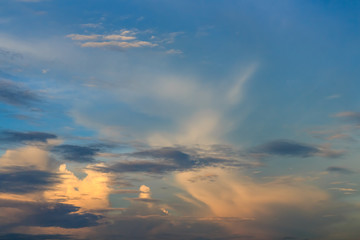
189,120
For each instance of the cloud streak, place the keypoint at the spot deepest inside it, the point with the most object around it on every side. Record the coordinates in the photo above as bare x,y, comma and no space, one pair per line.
9,136
22,181
126,39
295,149
17,95
84,154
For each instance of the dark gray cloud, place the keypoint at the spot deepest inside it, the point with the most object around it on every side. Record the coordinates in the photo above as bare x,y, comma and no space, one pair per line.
45,214
180,158
295,149
341,170
18,236
162,160
286,147
139,166
25,181
15,94
12,137
60,215
77,153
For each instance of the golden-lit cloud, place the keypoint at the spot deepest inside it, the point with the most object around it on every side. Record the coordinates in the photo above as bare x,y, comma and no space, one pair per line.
89,193
240,196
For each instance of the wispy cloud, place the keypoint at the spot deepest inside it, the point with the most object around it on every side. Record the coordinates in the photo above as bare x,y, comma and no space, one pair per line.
123,39
167,159
349,116
134,44
174,51
12,137
16,94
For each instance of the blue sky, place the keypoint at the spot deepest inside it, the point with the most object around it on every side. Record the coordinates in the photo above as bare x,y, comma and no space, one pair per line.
179,119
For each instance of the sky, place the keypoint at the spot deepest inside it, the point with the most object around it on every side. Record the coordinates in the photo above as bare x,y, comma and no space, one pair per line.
191,120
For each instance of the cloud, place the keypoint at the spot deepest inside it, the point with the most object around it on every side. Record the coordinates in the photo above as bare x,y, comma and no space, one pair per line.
80,37
138,166
15,94
118,37
28,157
126,39
135,44
164,160
19,236
45,214
268,209
293,148
9,136
77,153
341,170
90,193
168,154
350,116
21,181
174,51
340,136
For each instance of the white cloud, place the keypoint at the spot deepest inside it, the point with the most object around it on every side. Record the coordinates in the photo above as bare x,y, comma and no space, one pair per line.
119,37
174,51
80,37
135,44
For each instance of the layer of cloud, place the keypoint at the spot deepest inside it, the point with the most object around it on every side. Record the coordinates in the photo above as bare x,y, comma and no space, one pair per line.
77,153
12,137
293,148
164,160
135,44
124,39
21,181
353,117
266,209
15,94
45,214
340,170
19,236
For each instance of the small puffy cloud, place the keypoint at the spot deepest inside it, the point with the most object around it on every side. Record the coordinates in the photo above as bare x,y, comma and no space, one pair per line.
15,94
293,148
144,192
